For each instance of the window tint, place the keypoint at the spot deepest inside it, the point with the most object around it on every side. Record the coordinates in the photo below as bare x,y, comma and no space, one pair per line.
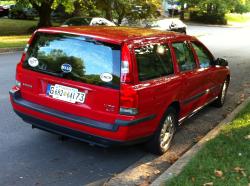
89,58
184,56
203,55
153,61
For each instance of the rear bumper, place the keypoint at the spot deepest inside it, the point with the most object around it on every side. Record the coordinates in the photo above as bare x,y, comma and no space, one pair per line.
53,127
78,135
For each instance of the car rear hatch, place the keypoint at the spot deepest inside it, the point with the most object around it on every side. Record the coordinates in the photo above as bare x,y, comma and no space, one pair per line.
73,74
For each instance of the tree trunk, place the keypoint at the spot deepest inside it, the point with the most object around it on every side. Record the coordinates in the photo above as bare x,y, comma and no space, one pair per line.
108,14
44,12
77,8
108,9
119,21
209,8
182,12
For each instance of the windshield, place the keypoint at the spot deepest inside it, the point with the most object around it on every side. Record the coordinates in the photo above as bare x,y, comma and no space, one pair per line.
75,58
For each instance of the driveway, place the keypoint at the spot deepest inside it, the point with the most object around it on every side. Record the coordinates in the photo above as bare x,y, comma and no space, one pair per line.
34,157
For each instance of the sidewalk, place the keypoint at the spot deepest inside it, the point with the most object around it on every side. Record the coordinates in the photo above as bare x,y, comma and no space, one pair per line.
229,25
10,50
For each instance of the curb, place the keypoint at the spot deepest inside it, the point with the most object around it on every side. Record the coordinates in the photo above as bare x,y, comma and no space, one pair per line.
10,50
232,25
178,166
98,182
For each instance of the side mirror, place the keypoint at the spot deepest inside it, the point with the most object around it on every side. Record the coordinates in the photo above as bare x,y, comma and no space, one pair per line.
221,62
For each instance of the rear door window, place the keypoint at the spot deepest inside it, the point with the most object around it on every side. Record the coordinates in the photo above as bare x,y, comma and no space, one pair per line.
205,58
75,58
184,56
153,61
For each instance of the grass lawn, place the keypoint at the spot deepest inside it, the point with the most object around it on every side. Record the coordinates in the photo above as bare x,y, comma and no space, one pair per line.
238,18
224,161
15,27
7,2
15,33
13,41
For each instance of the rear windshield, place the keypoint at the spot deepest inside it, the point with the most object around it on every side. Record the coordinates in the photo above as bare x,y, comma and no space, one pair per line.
76,58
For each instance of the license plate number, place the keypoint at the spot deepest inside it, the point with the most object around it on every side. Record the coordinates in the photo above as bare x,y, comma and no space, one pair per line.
65,93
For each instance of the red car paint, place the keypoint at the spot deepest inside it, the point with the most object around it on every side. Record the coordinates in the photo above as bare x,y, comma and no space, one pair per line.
149,98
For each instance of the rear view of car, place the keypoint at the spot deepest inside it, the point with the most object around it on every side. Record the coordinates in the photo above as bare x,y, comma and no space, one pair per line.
71,85
116,85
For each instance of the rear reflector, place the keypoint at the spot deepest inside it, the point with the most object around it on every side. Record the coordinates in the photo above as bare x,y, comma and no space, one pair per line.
128,111
18,84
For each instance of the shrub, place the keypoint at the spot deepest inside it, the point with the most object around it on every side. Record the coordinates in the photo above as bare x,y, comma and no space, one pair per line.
216,18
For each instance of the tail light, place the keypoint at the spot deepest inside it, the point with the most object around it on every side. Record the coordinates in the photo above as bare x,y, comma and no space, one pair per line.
19,74
19,65
19,68
128,96
126,66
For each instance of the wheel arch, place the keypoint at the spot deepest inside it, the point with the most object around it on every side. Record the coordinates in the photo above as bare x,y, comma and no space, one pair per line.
176,106
228,78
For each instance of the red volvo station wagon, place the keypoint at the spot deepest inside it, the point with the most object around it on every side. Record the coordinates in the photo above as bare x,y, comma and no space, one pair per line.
116,85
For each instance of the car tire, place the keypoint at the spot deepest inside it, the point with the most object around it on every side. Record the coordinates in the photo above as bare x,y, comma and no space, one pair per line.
219,102
162,138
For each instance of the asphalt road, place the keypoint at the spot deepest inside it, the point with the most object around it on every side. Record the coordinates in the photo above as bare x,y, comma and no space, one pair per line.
230,43
34,157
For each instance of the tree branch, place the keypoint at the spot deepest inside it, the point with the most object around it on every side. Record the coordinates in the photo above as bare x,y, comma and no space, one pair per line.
34,5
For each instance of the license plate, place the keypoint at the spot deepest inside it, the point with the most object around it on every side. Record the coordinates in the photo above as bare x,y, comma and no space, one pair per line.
65,93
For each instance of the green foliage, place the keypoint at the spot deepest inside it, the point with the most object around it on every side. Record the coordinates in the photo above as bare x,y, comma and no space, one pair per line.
86,8
68,4
16,27
134,10
111,9
212,18
130,9
213,11
242,6
3,2
224,161
13,41
238,18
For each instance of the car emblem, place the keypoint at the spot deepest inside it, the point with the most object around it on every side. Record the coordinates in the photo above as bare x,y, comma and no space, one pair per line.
66,68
